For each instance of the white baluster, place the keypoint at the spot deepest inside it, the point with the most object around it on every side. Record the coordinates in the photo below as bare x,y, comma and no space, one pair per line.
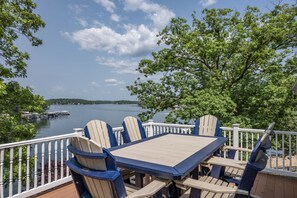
35,164
241,144
49,162
247,145
150,128
20,170
56,160
235,138
290,153
283,149
276,149
67,158
10,171
62,159
42,163
1,173
252,140
28,169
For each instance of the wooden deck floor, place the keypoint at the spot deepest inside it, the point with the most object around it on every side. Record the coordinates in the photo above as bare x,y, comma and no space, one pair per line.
265,186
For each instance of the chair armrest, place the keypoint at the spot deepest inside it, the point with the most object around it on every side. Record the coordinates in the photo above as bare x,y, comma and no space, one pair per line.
150,189
225,162
213,187
226,148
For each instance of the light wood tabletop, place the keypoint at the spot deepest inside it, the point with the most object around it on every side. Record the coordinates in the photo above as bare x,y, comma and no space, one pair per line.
167,155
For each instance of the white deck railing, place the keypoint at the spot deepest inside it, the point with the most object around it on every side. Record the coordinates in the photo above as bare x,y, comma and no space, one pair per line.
33,166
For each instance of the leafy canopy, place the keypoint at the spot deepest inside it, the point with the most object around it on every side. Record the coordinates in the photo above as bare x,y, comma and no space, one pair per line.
17,20
238,67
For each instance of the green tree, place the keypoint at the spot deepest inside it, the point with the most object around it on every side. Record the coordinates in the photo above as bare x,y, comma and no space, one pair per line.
17,21
238,67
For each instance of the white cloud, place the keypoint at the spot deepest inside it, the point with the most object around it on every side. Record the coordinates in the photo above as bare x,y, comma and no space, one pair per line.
115,17
135,41
127,66
77,9
160,15
82,22
113,82
107,4
206,3
95,84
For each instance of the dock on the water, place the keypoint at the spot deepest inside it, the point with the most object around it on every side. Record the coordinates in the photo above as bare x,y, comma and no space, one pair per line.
47,115
54,114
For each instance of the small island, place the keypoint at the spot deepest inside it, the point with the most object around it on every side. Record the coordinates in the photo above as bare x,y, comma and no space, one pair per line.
73,101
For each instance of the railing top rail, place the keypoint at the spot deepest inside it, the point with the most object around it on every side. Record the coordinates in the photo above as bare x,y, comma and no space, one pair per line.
35,141
258,131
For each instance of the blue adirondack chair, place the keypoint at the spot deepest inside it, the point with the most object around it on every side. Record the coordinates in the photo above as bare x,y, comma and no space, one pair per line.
95,174
100,132
133,129
256,163
208,125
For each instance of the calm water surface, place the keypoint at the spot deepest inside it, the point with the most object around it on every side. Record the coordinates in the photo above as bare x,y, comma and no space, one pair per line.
81,114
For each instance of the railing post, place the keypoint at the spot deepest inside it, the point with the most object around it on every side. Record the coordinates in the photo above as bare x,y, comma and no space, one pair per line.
79,131
236,138
150,128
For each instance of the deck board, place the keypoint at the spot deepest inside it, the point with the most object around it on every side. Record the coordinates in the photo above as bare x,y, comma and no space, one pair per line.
266,186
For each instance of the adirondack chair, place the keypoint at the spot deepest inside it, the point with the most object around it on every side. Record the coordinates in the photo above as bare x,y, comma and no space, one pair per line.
207,186
133,129
233,169
95,174
208,125
100,132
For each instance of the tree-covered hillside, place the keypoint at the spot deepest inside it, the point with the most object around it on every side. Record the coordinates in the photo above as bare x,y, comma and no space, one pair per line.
66,101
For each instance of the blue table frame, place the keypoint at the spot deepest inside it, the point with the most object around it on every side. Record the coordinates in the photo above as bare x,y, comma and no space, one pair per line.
176,172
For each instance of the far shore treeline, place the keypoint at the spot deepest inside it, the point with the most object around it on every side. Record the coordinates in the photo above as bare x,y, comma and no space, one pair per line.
72,101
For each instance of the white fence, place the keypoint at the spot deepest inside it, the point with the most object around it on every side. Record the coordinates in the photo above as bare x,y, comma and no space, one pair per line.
33,166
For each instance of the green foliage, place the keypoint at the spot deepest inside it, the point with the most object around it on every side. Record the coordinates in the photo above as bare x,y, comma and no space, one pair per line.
238,67
17,19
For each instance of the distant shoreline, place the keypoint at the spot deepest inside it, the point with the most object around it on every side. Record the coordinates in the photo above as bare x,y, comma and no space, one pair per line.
72,101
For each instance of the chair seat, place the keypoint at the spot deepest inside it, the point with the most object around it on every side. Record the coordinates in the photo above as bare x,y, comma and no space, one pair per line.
147,191
215,181
233,172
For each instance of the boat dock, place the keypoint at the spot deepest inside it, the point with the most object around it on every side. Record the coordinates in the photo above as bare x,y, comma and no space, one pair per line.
47,115
54,114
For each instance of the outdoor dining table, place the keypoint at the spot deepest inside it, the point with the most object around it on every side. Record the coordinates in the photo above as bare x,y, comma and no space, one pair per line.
168,156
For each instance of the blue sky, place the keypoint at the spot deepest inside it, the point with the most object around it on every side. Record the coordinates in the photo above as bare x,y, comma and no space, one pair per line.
91,48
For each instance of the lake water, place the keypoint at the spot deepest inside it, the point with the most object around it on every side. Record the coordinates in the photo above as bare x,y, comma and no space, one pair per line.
80,114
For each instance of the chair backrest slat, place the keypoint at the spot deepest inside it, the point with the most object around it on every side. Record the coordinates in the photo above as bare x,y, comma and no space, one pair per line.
208,125
91,147
94,171
99,188
133,129
100,132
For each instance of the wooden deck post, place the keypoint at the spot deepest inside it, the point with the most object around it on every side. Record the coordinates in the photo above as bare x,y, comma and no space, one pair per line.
236,138
150,128
79,131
